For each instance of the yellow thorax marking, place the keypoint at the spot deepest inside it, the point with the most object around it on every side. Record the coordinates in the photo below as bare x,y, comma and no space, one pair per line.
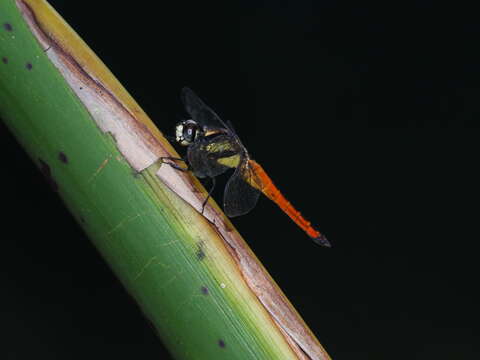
230,161
218,147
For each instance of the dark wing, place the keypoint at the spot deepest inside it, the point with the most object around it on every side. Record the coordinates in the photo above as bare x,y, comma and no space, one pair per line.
240,197
200,112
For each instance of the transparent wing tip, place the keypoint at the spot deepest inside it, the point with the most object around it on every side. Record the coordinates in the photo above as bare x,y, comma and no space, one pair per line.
322,240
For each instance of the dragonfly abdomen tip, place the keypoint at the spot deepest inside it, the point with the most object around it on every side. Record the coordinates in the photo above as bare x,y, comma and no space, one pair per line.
322,240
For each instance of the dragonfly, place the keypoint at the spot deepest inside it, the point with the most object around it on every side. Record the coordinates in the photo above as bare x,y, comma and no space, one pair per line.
213,148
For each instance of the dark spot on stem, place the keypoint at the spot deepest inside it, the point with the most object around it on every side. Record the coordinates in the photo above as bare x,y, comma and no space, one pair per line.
204,290
29,66
63,158
45,169
8,27
4,60
221,343
82,219
200,254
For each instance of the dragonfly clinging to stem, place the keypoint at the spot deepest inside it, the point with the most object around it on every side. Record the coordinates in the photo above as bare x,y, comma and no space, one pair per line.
213,147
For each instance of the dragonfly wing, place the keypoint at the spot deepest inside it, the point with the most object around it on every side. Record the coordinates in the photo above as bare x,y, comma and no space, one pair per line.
200,112
240,197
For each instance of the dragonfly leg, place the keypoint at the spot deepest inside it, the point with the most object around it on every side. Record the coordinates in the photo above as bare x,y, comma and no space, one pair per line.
209,193
172,164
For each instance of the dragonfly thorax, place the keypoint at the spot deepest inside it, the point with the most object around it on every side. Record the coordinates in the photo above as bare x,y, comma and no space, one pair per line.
186,132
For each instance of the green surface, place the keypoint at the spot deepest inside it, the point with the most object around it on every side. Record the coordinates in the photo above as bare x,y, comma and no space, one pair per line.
139,227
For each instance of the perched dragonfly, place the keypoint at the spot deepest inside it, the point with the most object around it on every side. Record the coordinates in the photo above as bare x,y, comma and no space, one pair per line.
214,148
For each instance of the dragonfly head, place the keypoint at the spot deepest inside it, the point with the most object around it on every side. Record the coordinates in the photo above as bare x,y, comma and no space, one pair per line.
186,132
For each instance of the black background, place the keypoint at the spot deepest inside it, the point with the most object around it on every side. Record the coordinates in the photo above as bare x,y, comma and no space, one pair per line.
365,115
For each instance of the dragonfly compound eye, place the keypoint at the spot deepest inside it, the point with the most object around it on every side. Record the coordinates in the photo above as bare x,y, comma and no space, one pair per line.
186,132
